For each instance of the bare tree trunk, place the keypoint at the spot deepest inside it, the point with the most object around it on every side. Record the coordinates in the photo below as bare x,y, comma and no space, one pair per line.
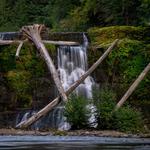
69,43
133,87
33,33
56,101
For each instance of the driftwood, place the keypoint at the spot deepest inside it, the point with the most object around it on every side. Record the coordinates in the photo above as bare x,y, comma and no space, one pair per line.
57,100
133,87
19,48
33,34
69,43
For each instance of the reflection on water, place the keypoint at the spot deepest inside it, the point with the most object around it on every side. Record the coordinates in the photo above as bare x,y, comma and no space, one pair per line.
72,143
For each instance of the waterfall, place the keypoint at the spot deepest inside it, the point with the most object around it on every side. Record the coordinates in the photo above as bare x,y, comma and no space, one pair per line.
72,64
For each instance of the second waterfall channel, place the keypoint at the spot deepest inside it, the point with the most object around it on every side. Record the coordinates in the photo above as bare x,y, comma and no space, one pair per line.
72,64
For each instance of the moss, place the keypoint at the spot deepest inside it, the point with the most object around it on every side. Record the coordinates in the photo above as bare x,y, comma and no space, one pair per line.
51,48
25,76
19,81
59,133
125,62
7,57
108,34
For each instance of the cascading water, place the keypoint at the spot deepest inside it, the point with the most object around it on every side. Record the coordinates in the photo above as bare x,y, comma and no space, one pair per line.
72,64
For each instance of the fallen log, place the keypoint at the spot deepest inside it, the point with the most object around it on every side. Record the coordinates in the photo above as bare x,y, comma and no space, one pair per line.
57,100
33,34
8,42
132,87
68,43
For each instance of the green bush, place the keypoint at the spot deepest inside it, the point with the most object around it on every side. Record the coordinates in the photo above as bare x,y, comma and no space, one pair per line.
76,111
128,120
125,119
104,101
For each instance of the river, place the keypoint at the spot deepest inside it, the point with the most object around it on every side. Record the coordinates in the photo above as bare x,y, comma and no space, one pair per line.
72,143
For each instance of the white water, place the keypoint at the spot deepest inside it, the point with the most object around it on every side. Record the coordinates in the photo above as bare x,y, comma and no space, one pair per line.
72,64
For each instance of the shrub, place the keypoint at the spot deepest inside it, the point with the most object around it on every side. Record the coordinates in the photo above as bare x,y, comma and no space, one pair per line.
125,119
128,120
76,111
104,101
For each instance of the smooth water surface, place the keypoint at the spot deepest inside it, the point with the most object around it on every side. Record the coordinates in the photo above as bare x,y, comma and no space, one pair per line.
72,143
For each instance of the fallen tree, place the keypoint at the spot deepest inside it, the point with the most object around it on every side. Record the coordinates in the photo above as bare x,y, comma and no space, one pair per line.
33,34
133,87
69,43
57,100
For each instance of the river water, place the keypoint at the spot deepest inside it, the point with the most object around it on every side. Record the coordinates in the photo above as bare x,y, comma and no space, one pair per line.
72,143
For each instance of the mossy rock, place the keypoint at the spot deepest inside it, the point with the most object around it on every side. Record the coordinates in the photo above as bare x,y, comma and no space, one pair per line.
106,35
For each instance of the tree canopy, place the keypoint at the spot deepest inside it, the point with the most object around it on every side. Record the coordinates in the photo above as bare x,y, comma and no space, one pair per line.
73,15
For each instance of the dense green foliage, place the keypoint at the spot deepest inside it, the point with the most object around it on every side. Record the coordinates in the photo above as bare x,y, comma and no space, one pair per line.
126,61
125,119
77,112
104,100
74,14
23,82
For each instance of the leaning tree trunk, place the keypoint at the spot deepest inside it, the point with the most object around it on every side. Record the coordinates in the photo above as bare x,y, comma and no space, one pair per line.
133,87
57,100
33,33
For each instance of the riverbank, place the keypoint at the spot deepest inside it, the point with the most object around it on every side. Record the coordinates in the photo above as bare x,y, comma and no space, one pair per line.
105,133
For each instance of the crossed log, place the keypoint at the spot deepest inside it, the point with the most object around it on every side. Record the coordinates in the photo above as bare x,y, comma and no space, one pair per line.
57,100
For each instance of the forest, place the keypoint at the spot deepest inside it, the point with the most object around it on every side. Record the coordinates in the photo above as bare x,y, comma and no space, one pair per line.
25,83
73,15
